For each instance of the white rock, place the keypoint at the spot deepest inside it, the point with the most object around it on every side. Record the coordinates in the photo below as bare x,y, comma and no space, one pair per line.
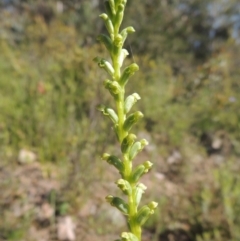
176,157
59,7
26,157
66,229
160,176
46,211
217,143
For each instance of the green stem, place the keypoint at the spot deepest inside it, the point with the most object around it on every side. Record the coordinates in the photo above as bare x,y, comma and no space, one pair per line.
116,66
114,44
121,116
120,100
134,227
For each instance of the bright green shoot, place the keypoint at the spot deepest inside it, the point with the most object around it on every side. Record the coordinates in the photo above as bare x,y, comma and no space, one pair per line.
123,123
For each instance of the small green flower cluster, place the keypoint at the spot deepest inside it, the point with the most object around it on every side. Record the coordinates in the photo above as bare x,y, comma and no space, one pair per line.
123,123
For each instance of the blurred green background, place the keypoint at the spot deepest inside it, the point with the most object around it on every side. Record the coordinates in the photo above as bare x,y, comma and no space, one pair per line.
52,179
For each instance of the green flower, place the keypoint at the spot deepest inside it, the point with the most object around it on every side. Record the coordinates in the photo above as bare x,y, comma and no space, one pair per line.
123,123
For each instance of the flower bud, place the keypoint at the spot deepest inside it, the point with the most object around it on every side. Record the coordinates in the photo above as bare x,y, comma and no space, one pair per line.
127,73
145,212
113,87
113,160
136,148
148,165
109,112
118,41
124,186
126,31
128,237
130,101
117,202
112,114
119,16
153,205
140,189
106,41
131,120
137,173
124,2
110,8
144,143
108,23
124,53
127,143
143,215
140,170
102,63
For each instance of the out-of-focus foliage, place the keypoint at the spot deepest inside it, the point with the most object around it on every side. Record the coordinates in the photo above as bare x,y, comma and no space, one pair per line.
209,208
188,53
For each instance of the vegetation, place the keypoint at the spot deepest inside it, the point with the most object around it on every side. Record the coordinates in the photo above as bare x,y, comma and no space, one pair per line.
49,92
